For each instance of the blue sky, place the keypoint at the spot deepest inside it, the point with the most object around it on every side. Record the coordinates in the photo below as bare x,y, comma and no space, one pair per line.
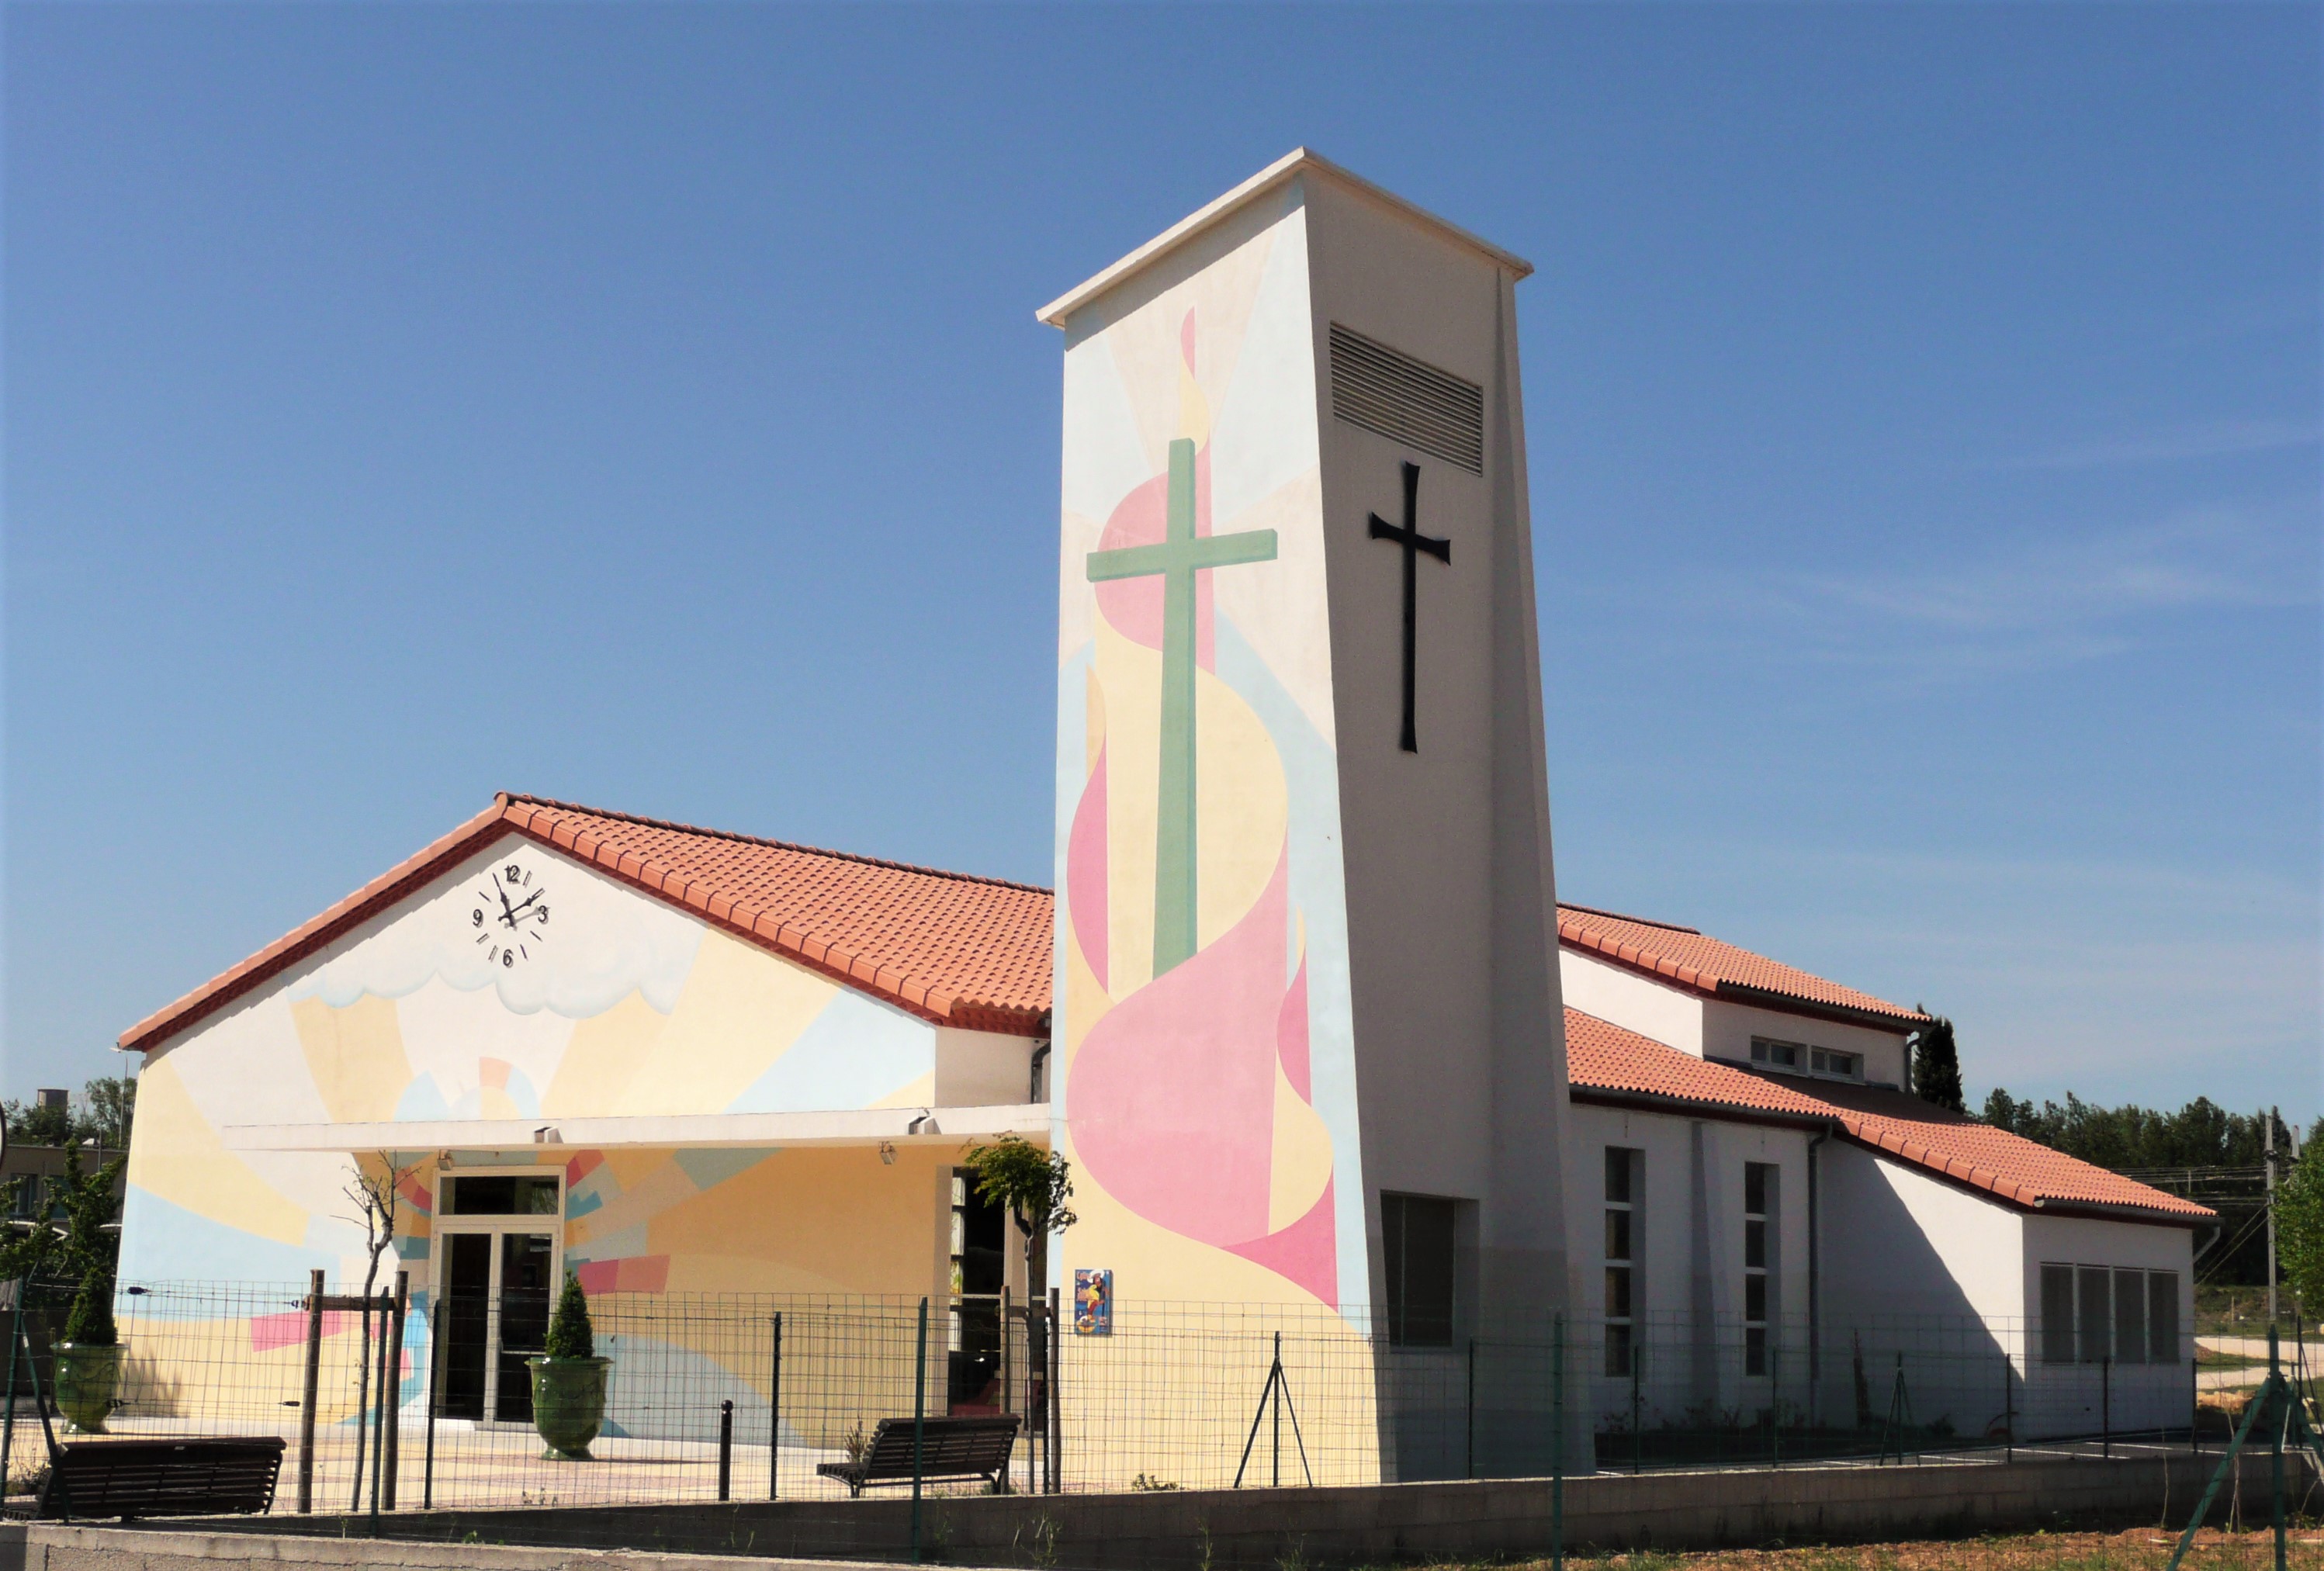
643,406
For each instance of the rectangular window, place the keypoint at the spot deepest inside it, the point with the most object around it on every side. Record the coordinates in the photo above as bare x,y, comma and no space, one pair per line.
2094,1312
1760,1180
1417,1231
499,1195
1778,1055
2057,1314
2163,1317
1846,1065
2130,1317
1625,1178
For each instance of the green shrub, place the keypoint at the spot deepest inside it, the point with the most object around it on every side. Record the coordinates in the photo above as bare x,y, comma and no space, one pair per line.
570,1335
90,1322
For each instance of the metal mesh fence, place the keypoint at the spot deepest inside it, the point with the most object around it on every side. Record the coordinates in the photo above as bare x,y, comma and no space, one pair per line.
746,1396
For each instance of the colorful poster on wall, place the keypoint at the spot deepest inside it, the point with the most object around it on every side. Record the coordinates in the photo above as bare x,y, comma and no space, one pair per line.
1092,1302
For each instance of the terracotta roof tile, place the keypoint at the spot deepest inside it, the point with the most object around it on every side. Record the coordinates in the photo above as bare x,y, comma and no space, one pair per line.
1717,969
1603,1058
962,951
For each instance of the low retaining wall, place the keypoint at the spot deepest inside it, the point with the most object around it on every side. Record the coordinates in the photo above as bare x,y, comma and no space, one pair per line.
1198,1530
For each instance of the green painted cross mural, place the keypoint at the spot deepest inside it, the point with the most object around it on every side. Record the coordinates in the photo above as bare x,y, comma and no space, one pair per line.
1179,556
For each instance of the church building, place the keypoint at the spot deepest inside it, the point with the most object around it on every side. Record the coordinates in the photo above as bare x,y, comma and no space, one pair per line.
1303,1009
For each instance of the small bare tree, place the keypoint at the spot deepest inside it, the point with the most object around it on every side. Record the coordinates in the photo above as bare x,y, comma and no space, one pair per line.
372,1192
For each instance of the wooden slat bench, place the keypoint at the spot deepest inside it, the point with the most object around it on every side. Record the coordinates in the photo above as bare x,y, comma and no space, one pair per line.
156,1478
952,1450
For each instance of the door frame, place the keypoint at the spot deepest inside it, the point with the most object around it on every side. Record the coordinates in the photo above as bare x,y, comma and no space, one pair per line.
440,1261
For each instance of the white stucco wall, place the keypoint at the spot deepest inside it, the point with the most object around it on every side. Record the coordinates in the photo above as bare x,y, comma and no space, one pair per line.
1671,1015
1727,1029
1899,1242
2082,1399
983,1069
1680,1232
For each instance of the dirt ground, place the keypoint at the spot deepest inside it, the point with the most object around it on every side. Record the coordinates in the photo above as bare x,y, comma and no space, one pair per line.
2140,1549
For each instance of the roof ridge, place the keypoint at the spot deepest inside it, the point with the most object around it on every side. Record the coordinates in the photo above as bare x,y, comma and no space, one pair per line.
1621,917
781,845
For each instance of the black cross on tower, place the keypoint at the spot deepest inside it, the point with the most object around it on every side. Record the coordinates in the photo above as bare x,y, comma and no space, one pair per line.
1414,543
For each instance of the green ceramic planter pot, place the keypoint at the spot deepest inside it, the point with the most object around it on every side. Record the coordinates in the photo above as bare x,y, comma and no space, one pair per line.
87,1377
568,1404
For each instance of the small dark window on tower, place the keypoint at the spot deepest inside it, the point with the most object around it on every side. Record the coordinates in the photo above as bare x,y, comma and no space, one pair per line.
1418,1230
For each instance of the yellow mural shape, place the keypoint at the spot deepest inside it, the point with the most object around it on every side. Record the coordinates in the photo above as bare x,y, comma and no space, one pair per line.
602,1055
741,1009
1242,804
178,1157
1301,1156
356,1055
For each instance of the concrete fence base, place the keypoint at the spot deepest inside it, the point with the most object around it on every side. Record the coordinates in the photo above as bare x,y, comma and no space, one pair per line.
1198,1530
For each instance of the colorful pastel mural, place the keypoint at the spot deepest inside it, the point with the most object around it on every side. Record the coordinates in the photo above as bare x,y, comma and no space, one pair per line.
1206,1088
623,1007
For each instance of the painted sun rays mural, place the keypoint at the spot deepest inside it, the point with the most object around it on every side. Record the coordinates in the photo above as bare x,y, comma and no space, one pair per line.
628,1009
1207,1092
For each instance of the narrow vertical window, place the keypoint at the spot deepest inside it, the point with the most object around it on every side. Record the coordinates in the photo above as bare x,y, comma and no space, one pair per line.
2163,1317
2094,1316
1758,1263
1623,1175
2057,1314
2130,1317
1418,1230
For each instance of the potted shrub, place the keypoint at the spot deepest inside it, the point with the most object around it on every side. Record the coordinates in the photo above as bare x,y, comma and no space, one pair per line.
88,1360
568,1380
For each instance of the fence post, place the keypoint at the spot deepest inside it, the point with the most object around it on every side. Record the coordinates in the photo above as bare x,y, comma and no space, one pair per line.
1056,1404
1557,1444
2276,1423
436,1317
1637,1361
379,1414
919,1421
1469,1415
15,1341
1775,1404
2008,1410
393,1451
726,1447
775,1413
2106,1406
313,1392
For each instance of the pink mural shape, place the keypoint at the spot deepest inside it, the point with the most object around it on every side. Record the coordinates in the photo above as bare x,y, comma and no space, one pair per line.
492,1073
1085,871
1307,1251
1172,1097
1291,1034
634,1273
268,1332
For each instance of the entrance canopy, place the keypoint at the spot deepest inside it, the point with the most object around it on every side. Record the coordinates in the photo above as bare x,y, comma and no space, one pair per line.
864,1126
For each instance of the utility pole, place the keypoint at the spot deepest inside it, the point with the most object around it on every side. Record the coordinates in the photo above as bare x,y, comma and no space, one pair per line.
2270,1134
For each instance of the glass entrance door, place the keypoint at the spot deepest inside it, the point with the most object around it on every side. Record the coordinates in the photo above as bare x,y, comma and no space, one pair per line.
496,1277
497,1287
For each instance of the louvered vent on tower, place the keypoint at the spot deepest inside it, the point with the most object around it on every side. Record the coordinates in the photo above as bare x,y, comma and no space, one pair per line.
1408,400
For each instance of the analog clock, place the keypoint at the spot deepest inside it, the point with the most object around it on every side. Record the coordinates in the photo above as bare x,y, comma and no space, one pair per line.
509,915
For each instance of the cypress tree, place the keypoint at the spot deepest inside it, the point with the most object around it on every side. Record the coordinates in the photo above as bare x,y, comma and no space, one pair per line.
1936,1066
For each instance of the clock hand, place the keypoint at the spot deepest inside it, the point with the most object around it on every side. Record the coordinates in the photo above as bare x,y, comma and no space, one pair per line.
520,906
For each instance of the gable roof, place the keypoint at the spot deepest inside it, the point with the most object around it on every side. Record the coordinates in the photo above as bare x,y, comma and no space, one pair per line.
1719,970
952,949
1608,1064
